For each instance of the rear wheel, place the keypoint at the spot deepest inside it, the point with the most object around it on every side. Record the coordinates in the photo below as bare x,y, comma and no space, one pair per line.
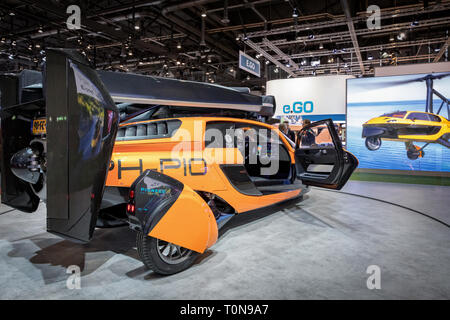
415,154
163,257
373,143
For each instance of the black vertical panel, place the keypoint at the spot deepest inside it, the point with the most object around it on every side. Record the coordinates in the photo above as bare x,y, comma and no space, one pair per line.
15,135
82,126
57,136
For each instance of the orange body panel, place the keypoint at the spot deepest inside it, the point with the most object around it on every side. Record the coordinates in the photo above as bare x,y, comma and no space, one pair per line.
185,145
188,223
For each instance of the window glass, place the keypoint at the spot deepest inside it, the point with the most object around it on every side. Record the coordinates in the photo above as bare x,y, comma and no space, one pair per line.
434,118
418,116
316,137
398,114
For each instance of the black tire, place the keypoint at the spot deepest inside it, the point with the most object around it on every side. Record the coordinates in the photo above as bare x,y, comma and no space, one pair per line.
148,250
415,154
373,143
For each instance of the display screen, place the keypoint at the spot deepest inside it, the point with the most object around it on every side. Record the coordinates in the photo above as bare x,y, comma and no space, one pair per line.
400,122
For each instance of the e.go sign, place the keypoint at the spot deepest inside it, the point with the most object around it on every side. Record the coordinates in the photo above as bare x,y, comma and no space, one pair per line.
249,64
299,107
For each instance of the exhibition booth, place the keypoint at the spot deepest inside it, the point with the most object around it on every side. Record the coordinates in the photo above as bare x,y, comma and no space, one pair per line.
397,126
364,179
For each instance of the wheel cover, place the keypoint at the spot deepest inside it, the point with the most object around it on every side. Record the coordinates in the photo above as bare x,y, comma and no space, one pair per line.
373,143
171,253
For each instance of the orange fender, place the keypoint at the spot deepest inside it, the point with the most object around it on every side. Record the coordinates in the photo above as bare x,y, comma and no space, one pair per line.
171,211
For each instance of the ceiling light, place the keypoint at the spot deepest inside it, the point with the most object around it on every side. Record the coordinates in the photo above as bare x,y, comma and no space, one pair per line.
315,63
40,29
11,13
238,38
3,40
288,65
310,36
391,38
231,69
136,27
11,57
204,14
179,45
178,63
437,50
130,53
295,13
321,46
369,57
267,61
248,78
401,36
13,43
275,70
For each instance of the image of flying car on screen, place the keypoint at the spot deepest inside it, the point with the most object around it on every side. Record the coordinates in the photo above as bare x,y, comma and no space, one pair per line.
427,126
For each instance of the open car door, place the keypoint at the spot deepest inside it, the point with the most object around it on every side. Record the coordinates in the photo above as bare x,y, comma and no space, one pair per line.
66,163
320,159
82,122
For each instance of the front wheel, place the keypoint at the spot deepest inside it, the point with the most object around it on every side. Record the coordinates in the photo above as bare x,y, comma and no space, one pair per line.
163,257
373,143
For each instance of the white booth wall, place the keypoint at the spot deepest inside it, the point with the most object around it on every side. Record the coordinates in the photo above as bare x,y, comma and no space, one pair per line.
312,98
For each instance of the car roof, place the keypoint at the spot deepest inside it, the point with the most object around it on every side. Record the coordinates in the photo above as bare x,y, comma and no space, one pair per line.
205,119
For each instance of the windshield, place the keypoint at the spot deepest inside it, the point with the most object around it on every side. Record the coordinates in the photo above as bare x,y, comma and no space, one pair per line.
398,114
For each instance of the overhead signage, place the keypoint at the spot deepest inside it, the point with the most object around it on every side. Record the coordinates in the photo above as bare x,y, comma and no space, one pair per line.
249,64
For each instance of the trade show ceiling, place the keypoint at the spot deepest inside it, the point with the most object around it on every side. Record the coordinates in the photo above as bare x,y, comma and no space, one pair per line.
200,40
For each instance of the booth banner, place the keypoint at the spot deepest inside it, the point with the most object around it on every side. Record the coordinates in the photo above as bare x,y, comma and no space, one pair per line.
313,98
400,122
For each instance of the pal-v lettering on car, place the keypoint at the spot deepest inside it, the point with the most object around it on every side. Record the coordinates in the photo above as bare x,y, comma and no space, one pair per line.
249,64
299,107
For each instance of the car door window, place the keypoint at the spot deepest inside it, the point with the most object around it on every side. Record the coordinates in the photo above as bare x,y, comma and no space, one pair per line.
418,116
434,118
316,137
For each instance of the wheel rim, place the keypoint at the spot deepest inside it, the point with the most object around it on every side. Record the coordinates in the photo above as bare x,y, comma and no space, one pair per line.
373,143
171,253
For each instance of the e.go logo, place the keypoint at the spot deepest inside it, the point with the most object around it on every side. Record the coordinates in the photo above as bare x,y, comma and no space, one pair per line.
299,107
250,64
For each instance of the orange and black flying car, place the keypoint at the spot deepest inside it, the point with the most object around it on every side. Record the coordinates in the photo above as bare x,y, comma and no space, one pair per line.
185,158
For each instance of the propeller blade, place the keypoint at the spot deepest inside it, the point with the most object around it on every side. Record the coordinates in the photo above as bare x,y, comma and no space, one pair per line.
378,83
